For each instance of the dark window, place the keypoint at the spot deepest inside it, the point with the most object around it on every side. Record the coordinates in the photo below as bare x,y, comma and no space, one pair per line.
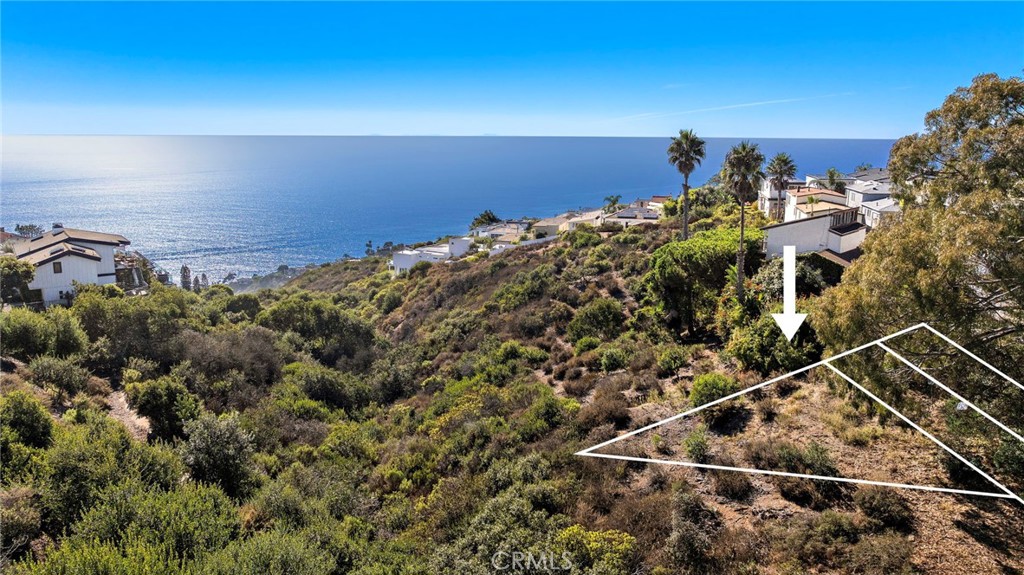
57,268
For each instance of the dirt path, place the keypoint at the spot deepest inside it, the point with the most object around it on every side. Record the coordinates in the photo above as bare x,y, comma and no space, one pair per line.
137,425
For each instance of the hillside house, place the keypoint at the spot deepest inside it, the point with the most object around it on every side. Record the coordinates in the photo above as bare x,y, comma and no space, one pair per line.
837,235
589,217
874,212
64,256
403,261
860,192
811,202
632,216
504,229
769,198
550,226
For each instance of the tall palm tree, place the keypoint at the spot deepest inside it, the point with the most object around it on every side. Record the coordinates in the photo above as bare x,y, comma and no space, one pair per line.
686,152
611,202
741,172
781,169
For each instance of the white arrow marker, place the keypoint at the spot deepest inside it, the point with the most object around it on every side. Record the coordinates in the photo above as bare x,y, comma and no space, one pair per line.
789,321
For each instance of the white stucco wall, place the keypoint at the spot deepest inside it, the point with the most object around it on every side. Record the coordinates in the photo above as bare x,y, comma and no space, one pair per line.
459,246
841,244
808,235
73,269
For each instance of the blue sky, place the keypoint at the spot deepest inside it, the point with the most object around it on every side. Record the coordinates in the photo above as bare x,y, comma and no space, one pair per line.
835,70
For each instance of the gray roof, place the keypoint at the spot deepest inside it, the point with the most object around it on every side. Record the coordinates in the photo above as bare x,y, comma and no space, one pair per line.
60,235
872,174
57,251
869,187
883,205
635,213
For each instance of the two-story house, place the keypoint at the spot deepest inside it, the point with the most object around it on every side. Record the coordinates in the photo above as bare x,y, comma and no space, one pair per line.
63,256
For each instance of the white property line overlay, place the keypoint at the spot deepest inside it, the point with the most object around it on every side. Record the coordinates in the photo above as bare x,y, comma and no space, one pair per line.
972,356
951,392
935,440
589,452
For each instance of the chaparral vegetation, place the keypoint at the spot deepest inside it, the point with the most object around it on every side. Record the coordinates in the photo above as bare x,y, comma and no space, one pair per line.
358,423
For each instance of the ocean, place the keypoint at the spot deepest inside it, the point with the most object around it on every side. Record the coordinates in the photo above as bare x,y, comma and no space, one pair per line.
247,204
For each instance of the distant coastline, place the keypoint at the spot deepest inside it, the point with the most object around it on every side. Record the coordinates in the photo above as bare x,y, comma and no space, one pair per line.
250,204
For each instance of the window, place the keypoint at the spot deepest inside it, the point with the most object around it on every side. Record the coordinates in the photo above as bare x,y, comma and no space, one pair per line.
57,268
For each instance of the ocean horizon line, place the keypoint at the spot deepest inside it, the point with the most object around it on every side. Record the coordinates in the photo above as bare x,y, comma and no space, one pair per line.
668,136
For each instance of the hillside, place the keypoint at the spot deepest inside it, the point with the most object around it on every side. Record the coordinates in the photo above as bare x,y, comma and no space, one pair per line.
355,423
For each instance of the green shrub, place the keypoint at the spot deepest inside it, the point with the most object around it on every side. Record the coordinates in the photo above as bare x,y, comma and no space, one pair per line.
602,318
672,358
331,333
695,527
68,336
24,334
166,402
696,445
27,418
583,236
598,551
219,451
887,554
711,387
686,277
80,463
761,347
885,507
190,520
246,304
64,376
388,300
585,344
133,558
334,388
613,359
1009,458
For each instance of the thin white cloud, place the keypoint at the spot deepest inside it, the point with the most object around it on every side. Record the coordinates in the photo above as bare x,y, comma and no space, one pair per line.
728,107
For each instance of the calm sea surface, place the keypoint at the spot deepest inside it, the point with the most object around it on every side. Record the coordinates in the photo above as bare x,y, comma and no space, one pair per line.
248,204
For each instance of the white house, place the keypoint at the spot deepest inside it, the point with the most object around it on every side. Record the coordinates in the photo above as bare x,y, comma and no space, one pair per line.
402,261
63,256
860,192
504,229
769,198
658,202
874,212
810,202
838,234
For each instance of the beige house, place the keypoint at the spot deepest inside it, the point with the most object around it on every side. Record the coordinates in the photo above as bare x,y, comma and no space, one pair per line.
550,226
590,218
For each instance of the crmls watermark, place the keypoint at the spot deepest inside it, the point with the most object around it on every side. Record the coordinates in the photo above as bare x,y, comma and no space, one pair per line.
543,561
